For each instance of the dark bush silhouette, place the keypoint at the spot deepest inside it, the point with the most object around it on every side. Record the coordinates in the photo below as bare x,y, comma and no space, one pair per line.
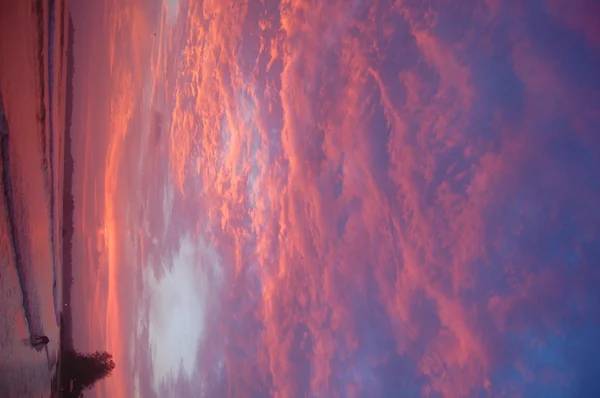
85,370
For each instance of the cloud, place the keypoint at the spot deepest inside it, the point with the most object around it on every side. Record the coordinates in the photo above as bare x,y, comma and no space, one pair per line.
112,70
401,200
178,305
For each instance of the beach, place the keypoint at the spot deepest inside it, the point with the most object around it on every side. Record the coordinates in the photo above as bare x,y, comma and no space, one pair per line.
33,90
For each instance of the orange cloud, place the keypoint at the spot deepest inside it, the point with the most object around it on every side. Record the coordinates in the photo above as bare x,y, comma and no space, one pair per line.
121,111
129,44
360,165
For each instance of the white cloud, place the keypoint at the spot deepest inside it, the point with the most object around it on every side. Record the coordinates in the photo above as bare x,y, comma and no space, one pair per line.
179,304
172,8
136,385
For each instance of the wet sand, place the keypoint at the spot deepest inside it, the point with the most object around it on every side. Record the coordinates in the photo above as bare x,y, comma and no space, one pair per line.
33,75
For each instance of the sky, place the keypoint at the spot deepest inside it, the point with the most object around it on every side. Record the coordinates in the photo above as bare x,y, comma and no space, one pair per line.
339,198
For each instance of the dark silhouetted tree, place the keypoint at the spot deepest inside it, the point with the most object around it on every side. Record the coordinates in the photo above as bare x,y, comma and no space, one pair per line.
85,370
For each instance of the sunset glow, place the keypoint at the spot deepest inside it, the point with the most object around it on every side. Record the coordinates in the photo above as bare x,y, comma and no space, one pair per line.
343,199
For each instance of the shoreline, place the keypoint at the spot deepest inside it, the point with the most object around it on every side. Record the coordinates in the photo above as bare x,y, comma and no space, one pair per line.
66,321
